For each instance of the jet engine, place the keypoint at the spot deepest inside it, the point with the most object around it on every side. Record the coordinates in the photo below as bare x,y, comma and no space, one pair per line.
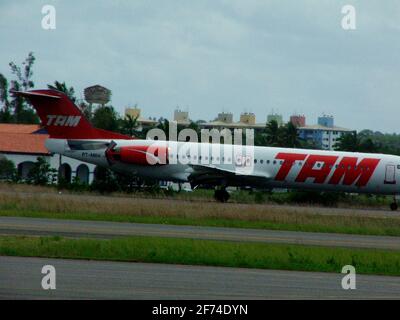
139,155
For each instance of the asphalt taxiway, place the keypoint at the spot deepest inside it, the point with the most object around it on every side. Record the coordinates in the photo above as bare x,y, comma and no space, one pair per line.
20,278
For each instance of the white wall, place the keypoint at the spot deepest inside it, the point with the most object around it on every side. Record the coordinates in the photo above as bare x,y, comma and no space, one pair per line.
55,161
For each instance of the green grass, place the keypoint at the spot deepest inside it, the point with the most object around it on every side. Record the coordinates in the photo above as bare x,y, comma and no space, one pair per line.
205,252
198,213
303,222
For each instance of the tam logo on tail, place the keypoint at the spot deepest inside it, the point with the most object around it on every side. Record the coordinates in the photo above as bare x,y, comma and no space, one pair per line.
62,118
66,121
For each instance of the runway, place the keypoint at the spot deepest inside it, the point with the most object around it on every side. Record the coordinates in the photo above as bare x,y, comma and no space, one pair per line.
20,278
102,229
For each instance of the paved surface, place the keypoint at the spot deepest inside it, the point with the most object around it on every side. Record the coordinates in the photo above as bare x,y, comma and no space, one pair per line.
20,278
102,229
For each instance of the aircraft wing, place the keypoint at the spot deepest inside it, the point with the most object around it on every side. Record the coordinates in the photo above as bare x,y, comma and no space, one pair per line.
206,174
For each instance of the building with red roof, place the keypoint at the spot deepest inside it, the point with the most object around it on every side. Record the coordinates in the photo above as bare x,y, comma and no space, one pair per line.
24,143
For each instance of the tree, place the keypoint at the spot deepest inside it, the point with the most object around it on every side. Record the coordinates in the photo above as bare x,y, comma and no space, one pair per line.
129,125
41,173
348,142
105,180
15,109
8,171
105,117
272,133
86,109
195,126
163,124
288,136
357,143
5,112
23,81
70,92
367,145
24,76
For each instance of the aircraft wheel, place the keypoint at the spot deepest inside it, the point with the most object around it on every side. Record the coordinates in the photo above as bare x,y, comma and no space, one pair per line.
221,195
393,206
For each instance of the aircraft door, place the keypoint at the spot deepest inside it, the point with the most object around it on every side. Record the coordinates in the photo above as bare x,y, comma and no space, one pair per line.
390,174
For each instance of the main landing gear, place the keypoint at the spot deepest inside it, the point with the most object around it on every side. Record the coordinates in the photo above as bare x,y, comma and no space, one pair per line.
393,205
221,195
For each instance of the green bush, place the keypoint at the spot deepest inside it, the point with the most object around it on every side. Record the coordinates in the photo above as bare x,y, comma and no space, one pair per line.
8,172
41,173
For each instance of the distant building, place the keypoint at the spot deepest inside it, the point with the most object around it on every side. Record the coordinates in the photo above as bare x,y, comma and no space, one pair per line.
324,134
225,121
275,117
298,120
226,117
326,121
181,117
133,112
142,122
248,118
23,144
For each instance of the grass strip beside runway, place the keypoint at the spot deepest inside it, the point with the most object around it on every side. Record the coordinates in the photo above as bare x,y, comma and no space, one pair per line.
167,211
206,252
293,222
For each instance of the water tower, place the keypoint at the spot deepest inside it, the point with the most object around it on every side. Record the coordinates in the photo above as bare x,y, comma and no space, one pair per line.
97,94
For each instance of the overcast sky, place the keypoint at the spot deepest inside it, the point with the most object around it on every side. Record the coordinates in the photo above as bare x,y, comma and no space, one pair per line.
219,55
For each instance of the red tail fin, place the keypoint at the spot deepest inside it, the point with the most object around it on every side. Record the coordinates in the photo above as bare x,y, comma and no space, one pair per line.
62,118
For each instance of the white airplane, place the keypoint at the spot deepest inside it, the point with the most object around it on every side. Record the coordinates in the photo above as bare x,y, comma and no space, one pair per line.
220,165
